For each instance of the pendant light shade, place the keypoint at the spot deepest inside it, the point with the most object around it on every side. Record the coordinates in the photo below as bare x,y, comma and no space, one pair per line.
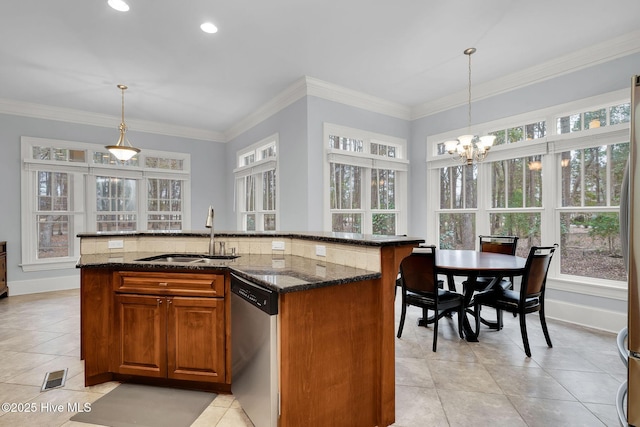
123,150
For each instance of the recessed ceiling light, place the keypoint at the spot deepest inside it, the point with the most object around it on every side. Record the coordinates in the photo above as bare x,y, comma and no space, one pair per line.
118,5
208,27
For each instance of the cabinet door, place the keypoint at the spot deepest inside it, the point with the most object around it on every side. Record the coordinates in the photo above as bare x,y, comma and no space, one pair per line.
140,335
196,339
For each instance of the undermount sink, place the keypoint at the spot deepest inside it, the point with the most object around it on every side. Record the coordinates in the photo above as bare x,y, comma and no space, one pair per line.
188,258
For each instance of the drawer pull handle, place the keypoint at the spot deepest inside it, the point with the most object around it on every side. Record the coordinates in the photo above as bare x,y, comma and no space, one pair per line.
162,283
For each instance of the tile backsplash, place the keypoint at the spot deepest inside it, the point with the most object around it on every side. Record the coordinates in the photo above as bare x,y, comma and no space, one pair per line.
365,257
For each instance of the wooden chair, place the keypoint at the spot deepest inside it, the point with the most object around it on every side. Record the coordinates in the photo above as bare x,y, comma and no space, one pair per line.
529,299
419,284
501,245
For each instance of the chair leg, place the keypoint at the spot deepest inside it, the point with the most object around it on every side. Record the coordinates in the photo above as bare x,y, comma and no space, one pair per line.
402,316
460,314
525,337
499,319
543,322
476,315
435,330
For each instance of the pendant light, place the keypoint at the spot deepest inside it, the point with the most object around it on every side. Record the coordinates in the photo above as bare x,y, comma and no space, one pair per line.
470,147
121,151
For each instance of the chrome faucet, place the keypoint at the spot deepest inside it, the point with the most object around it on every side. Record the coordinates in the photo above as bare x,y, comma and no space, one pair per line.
209,224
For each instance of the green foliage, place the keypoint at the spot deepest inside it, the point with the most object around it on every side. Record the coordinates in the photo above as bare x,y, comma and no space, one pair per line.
605,226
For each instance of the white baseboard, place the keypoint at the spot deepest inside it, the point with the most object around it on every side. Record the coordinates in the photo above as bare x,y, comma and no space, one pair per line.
592,317
34,286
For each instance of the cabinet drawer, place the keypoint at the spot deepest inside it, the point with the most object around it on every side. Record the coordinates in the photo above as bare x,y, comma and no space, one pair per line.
160,283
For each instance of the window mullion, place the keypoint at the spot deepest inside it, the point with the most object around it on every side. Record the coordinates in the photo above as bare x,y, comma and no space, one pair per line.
366,199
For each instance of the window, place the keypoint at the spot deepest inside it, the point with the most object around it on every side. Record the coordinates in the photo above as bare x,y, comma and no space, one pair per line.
256,186
609,115
458,203
366,186
71,187
164,204
516,200
590,184
116,204
52,218
545,184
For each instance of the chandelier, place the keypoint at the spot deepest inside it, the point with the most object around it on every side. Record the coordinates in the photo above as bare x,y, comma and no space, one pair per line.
121,151
470,148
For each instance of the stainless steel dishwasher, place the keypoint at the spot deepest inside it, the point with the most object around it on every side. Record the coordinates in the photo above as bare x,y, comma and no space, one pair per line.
254,350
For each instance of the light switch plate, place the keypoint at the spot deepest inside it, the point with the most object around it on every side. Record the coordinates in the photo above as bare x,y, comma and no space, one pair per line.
116,244
321,250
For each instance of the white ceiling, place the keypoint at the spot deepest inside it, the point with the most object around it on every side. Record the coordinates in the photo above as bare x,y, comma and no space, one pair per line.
71,54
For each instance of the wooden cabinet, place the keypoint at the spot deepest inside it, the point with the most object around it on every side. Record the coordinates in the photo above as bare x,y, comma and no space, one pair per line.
174,337
169,328
4,289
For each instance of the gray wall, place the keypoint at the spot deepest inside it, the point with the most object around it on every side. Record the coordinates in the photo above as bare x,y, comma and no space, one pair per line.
324,111
291,126
301,155
207,159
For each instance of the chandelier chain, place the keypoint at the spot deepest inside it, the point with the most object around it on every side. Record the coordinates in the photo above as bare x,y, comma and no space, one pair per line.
469,102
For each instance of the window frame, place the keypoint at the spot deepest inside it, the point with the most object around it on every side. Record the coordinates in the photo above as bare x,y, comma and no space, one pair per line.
84,210
368,162
256,168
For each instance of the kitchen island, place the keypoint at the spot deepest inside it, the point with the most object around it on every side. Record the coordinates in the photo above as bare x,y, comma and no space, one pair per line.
169,323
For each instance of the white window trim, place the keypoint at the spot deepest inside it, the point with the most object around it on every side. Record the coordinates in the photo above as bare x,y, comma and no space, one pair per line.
84,211
368,161
553,143
257,168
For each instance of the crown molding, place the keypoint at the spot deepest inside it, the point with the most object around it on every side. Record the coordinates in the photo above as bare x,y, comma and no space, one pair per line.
343,95
68,115
291,94
618,47
309,86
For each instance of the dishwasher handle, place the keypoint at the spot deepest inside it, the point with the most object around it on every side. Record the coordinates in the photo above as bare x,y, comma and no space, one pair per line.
260,297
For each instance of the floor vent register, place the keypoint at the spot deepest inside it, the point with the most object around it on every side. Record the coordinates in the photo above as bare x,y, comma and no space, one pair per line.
54,379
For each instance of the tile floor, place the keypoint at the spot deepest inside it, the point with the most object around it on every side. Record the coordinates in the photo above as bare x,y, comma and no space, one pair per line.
490,383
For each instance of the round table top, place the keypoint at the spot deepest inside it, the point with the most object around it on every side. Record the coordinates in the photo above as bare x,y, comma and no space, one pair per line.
460,262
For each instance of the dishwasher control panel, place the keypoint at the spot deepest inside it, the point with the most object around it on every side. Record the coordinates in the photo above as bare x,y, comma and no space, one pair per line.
256,295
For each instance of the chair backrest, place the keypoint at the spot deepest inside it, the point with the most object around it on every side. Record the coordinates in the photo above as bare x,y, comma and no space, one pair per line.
499,244
418,271
535,276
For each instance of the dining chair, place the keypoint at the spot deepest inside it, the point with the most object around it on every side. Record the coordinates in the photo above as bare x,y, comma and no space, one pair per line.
529,299
501,245
420,287
399,276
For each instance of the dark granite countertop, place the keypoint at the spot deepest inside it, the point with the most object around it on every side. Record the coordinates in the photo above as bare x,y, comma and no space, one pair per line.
282,274
345,238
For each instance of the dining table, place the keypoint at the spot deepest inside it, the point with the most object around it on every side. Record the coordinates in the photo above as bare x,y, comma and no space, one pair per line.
473,264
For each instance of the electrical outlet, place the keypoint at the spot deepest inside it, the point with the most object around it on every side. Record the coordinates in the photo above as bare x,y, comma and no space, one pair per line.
321,250
277,245
116,244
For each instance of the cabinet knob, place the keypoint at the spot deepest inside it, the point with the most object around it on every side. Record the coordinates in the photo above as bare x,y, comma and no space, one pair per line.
159,301
162,283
